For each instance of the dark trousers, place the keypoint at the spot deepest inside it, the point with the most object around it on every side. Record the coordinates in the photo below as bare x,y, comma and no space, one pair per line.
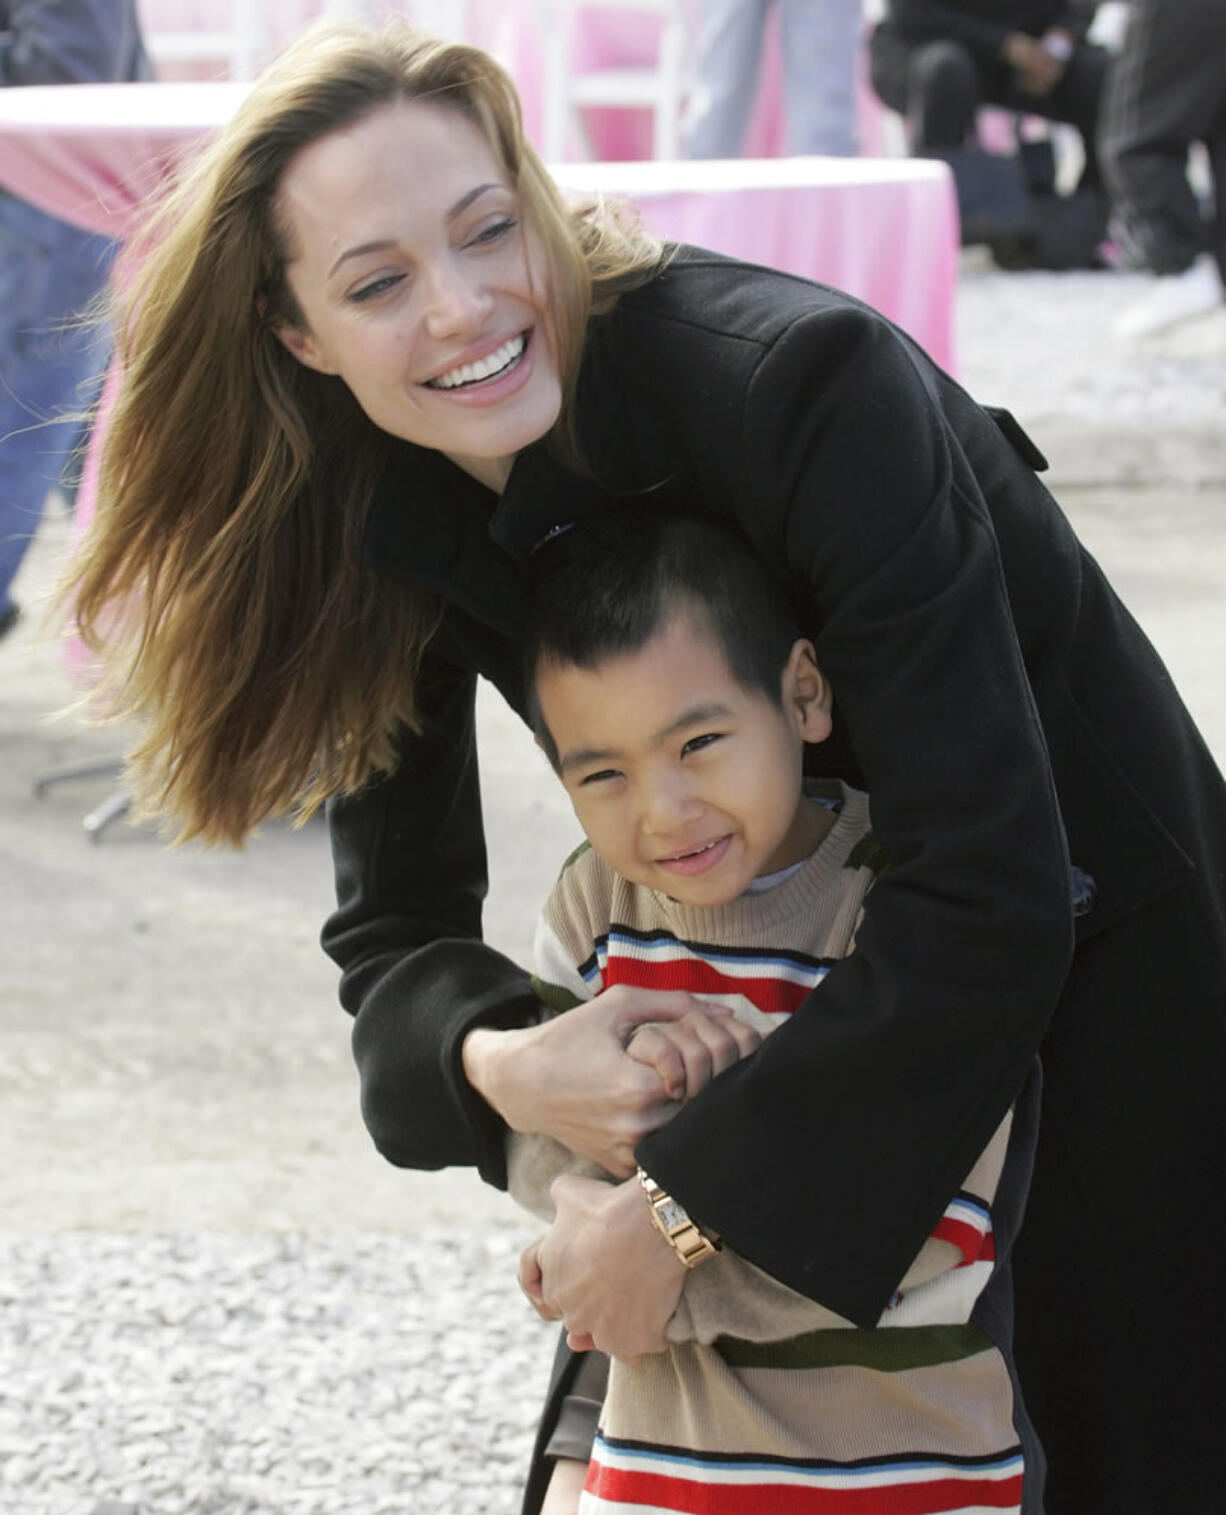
938,87
1166,91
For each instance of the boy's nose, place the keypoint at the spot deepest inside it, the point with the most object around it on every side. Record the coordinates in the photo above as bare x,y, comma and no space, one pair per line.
666,805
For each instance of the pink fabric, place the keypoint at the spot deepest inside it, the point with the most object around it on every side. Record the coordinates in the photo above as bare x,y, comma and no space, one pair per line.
90,153
884,230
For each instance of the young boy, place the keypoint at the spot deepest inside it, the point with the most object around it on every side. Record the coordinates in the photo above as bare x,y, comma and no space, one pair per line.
674,697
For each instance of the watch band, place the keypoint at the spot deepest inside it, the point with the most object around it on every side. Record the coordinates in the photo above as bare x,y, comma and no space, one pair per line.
691,1244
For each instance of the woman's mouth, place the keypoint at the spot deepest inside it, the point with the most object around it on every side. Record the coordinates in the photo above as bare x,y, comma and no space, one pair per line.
697,859
495,365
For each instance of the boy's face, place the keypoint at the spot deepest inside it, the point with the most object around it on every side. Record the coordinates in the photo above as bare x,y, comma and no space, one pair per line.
683,779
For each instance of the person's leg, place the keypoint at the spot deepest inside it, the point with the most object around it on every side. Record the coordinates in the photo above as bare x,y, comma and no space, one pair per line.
936,86
1076,101
727,49
567,1430
1164,92
1120,1338
48,272
565,1487
820,43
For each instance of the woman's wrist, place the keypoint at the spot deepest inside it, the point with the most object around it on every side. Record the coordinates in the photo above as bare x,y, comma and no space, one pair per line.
488,1058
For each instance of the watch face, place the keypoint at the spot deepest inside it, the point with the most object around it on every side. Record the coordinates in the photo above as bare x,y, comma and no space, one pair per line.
671,1214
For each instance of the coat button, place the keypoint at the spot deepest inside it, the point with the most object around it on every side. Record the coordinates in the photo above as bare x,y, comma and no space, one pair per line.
1084,889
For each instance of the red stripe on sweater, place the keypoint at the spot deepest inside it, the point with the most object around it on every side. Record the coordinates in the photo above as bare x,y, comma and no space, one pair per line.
942,1497
770,995
974,1245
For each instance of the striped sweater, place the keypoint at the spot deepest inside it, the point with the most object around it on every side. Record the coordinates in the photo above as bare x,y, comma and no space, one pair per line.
765,1401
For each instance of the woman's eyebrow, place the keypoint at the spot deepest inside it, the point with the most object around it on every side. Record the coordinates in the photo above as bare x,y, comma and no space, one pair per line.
356,252
385,243
465,201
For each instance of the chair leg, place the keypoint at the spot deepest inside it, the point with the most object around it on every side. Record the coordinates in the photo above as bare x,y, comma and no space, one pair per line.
75,771
116,805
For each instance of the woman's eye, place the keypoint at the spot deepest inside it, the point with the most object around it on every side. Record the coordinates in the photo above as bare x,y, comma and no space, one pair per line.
375,287
697,743
496,231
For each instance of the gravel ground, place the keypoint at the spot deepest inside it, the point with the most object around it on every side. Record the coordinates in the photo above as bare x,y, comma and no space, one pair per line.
215,1374
215,1299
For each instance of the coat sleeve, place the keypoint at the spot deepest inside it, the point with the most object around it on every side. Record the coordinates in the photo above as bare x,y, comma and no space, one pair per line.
409,854
728,1296
828,1157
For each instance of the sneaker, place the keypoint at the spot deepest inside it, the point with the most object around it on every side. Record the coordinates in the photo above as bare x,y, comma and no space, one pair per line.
1173,298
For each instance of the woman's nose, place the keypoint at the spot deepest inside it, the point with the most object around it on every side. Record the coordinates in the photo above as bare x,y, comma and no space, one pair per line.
458,301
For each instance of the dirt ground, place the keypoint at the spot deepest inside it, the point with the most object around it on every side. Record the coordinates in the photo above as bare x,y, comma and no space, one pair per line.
171,1052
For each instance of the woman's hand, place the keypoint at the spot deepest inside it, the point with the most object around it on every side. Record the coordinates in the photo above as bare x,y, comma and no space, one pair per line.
572,1078
604,1269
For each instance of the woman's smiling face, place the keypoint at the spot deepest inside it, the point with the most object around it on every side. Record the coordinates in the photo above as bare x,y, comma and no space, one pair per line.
419,286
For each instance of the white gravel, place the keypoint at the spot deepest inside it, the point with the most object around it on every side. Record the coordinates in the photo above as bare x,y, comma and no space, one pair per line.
280,1375
1105,410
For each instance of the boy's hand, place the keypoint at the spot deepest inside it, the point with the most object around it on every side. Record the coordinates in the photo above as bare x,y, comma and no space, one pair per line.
690,1052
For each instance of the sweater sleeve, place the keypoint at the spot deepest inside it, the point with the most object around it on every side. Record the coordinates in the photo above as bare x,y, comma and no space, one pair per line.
409,856
893,1078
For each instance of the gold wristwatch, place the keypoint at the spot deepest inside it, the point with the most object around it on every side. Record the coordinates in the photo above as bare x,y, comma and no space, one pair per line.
692,1245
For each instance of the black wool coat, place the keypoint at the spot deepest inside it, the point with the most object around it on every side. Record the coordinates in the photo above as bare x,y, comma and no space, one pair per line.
1007,716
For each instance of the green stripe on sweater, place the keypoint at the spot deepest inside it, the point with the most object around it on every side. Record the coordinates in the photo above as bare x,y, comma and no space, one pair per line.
554,995
885,1350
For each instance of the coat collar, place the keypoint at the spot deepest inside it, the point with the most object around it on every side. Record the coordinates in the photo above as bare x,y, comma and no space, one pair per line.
433,525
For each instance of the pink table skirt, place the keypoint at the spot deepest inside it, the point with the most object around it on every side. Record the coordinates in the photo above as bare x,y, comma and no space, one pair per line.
884,230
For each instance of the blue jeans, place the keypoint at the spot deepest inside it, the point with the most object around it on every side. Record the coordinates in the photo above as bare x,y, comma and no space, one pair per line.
50,368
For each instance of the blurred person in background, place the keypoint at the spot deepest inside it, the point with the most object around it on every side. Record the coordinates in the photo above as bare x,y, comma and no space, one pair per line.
1166,92
937,62
819,43
49,272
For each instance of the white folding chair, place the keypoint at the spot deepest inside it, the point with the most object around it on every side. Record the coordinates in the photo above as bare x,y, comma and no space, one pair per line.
569,90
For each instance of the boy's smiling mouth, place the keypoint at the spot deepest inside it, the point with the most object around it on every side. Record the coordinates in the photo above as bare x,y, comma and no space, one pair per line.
697,858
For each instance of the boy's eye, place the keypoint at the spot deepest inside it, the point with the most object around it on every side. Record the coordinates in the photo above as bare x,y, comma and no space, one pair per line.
602,777
375,287
696,743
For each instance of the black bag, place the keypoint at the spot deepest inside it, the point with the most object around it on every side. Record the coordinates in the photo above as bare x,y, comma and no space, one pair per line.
1009,203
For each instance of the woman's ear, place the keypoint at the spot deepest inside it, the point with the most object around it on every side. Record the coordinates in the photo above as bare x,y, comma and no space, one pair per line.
806,694
299,342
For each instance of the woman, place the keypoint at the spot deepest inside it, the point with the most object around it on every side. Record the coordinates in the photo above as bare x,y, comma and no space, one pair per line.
372,362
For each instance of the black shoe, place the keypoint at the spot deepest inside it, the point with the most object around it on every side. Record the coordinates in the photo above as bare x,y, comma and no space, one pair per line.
9,617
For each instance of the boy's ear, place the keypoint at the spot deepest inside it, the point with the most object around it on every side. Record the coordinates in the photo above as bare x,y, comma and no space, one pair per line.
806,694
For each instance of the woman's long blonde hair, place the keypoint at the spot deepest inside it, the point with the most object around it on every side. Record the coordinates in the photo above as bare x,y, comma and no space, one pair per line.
221,580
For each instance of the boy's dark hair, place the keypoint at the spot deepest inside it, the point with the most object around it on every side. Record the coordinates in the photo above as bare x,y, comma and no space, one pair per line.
606,585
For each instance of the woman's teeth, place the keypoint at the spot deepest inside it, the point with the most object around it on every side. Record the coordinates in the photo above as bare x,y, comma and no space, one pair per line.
485,368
